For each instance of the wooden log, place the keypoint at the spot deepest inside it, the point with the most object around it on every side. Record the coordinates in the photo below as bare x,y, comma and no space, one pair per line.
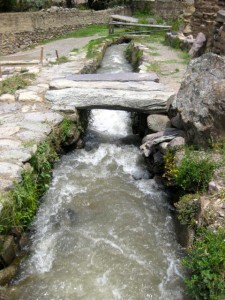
124,18
42,56
57,54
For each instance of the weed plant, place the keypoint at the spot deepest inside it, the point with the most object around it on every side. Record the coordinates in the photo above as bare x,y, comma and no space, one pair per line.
16,82
188,208
60,60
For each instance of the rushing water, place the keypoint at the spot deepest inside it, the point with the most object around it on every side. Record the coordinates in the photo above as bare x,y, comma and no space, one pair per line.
100,233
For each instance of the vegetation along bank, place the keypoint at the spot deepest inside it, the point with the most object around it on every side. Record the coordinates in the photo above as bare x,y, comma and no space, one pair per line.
186,152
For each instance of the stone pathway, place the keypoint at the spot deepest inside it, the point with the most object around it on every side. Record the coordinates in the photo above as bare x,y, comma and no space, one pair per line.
26,118
169,64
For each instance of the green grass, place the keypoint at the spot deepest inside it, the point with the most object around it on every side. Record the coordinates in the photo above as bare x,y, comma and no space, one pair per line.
101,30
92,47
154,67
60,60
206,264
16,82
21,204
155,54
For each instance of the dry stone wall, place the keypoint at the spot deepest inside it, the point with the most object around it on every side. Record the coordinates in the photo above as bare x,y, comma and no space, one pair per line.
19,30
219,33
209,18
166,9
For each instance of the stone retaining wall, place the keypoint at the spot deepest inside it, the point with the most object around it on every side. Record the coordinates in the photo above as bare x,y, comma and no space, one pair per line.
219,33
166,9
19,30
209,18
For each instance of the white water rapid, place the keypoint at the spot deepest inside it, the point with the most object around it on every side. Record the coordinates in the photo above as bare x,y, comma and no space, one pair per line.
101,234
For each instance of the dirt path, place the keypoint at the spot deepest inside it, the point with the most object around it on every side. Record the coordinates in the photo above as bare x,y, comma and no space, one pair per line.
170,64
63,47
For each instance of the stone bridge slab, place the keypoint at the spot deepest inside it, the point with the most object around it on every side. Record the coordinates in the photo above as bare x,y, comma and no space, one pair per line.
89,98
115,77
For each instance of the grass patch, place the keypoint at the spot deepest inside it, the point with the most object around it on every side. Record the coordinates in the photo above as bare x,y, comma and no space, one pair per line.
185,57
16,82
93,47
155,54
60,60
75,50
154,67
91,30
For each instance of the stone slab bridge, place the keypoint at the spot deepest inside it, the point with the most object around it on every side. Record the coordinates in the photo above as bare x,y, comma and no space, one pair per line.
123,91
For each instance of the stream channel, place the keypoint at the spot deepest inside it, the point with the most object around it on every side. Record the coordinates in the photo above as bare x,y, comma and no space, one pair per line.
100,233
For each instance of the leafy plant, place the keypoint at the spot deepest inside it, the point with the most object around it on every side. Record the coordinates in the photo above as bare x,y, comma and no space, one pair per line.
133,55
188,207
194,172
206,264
170,168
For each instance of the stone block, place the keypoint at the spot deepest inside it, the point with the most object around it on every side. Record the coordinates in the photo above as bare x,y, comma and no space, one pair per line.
220,16
8,252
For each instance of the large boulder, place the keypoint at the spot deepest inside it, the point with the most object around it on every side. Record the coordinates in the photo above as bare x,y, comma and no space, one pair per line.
200,102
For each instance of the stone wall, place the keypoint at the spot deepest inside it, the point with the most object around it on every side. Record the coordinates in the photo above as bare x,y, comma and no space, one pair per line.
204,17
166,9
219,33
19,30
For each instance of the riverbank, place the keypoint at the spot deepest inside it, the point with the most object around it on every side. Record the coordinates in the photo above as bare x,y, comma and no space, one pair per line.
144,67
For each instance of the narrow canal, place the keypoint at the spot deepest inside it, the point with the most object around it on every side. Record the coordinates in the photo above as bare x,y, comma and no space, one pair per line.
104,230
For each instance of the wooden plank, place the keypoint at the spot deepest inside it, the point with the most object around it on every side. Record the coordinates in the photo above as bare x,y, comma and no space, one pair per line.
124,18
141,25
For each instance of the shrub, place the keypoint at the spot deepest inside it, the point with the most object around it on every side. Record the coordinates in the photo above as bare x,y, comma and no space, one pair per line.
188,208
170,168
206,264
194,172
